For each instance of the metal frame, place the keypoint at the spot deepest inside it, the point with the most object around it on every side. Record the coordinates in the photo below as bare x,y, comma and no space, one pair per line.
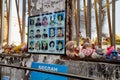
50,72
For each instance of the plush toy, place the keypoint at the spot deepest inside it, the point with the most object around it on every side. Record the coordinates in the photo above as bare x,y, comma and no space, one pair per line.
85,40
24,48
17,49
87,48
81,54
114,55
109,51
8,48
98,53
71,49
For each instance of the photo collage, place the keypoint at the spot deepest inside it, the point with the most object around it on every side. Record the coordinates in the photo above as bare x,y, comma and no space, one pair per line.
47,33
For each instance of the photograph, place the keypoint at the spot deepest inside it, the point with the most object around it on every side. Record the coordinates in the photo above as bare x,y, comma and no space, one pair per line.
38,35
31,22
44,34
48,33
52,20
44,45
31,34
38,22
60,19
52,44
37,45
59,44
51,32
31,45
60,32
44,21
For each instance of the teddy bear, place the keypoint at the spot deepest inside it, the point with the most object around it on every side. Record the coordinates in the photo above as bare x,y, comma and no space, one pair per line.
87,48
98,53
8,49
71,49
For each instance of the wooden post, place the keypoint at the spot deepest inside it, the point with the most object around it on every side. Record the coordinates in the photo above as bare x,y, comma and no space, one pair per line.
7,29
17,8
75,11
97,23
100,24
109,22
29,7
85,18
113,22
76,18
0,21
78,21
69,23
89,18
10,22
23,20
2,2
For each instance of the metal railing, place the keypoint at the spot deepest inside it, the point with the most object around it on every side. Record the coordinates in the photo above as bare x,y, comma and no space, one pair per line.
50,72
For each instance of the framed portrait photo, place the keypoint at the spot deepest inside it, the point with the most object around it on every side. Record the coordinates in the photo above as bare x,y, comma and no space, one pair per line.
47,33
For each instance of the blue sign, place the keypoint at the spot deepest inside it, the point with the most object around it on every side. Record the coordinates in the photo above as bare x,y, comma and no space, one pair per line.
6,78
48,67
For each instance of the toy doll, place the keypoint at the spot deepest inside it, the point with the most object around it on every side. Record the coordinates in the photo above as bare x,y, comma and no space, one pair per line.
87,48
98,53
114,55
109,51
71,49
